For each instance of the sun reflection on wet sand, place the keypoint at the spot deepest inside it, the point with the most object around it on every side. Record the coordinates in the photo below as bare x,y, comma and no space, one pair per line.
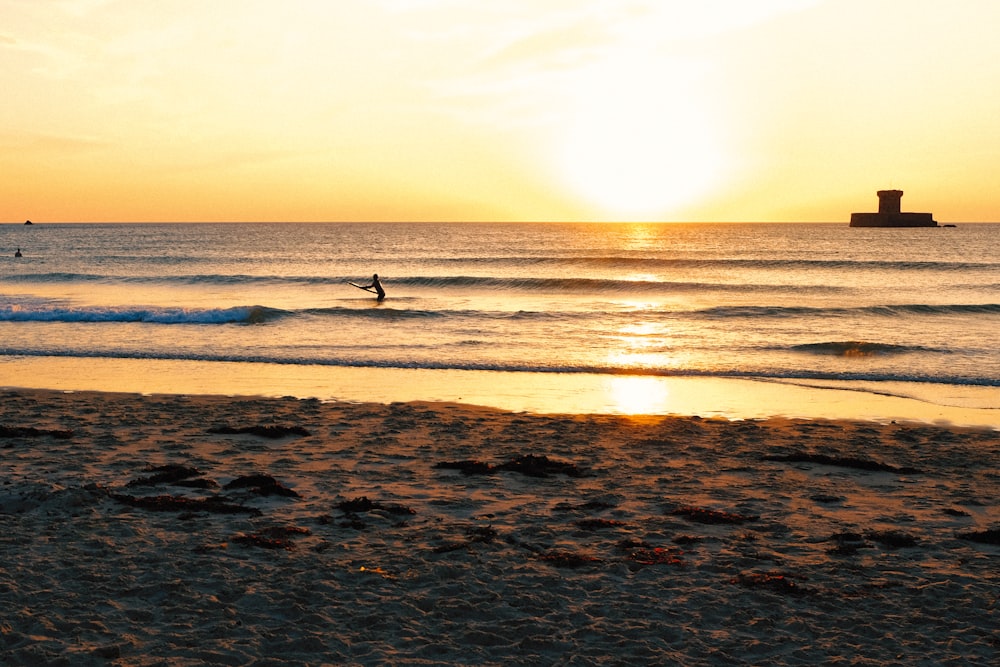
565,393
638,395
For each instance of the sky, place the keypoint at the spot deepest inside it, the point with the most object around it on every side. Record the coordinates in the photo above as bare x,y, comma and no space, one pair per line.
521,110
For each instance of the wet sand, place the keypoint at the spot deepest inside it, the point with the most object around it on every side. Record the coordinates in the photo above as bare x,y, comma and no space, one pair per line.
548,393
188,530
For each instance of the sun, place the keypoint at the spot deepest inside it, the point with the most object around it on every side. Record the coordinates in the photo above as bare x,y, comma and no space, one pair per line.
639,141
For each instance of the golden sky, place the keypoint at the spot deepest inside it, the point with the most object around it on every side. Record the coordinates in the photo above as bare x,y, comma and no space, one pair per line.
734,110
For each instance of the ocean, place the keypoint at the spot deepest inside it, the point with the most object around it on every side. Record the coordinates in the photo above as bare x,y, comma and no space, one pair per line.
911,312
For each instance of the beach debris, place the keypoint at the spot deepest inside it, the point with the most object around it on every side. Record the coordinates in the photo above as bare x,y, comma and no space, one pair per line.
532,465
166,503
108,652
274,537
826,498
568,559
197,483
597,524
631,543
378,571
709,516
270,431
484,534
473,535
32,432
954,511
847,544
657,556
776,582
467,467
363,504
891,539
596,506
841,462
991,536
540,466
262,484
165,474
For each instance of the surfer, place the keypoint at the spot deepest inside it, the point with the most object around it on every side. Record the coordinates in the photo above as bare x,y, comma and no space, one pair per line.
18,254
377,286
374,287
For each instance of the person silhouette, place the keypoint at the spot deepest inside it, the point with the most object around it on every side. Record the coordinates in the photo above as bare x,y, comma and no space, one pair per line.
378,287
18,253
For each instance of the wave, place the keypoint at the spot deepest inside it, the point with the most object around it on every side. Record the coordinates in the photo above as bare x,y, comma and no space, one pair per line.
151,315
457,365
382,313
51,311
186,279
496,283
666,263
861,349
47,312
895,310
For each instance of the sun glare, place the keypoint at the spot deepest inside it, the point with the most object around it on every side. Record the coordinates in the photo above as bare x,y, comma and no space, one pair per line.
638,395
640,143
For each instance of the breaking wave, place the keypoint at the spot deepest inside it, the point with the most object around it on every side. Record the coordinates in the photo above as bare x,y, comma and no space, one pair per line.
121,314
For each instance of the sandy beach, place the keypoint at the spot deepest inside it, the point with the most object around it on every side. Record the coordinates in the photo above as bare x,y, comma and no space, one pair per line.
190,530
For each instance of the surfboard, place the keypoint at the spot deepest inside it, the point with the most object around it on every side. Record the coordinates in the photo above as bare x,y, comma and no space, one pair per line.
367,289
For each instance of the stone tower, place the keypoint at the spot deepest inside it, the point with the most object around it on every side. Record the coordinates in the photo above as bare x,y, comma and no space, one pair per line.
888,201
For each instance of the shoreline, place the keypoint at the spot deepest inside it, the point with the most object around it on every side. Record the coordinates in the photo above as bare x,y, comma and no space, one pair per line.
542,393
141,530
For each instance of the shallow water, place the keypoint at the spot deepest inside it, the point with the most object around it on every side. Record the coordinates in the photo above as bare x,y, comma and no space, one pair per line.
870,309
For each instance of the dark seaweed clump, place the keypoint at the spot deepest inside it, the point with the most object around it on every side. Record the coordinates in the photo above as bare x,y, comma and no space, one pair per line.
532,465
708,516
269,431
276,537
892,539
165,503
261,484
775,582
597,524
991,536
166,474
363,504
842,462
568,559
32,432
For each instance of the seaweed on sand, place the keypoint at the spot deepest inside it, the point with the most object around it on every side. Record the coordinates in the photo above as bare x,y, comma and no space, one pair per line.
363,504
266,431
657,556
568,559
264,485
166,474
165,503
32,432
275,537
991,536
775,582
708,516
467,467
532,465
842,462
